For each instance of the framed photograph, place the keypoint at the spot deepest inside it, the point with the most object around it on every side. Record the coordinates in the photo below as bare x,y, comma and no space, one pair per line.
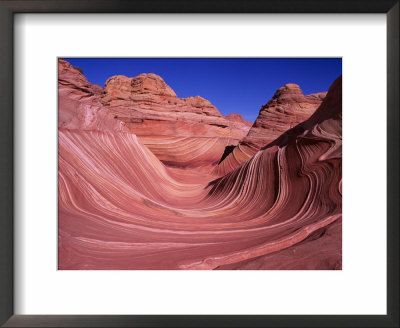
213,163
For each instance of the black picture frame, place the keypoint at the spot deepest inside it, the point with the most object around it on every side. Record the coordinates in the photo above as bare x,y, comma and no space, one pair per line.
11,7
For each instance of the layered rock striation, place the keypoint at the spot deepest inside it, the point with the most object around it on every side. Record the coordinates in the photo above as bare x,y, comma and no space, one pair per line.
79,105
181,132
120,207
287,108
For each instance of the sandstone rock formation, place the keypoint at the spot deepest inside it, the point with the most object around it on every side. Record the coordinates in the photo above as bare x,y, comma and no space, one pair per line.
238,118
120,207
79,105
181,132
287,108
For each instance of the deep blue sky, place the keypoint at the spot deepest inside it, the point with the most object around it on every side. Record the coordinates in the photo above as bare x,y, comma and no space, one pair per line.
233,85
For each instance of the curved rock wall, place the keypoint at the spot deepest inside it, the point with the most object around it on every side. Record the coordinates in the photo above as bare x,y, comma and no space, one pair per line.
120,207
287,108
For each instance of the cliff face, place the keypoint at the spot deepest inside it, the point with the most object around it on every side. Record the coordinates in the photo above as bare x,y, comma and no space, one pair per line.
79,105
146,106
122,206
287,108
149,107
295,185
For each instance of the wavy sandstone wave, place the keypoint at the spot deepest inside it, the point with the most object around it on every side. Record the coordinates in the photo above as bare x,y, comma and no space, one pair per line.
122,207
287,108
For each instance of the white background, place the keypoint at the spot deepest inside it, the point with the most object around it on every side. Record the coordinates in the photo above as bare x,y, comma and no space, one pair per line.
360,288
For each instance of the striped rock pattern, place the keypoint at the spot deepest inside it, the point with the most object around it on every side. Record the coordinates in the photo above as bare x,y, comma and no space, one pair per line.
147,106
120,207
287,108
164,123
79,105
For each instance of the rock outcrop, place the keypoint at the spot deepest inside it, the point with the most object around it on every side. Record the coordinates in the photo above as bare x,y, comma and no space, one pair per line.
287,108
181,132
79,105
122,208
238,118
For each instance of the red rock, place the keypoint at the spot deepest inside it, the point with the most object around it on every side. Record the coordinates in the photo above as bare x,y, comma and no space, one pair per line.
147,106
169,125
79,105
287,108
147,98
320,251
121,208
238,118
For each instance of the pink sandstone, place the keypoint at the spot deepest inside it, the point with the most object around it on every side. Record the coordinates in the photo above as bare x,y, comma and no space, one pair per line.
120,207
287,108
147,106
